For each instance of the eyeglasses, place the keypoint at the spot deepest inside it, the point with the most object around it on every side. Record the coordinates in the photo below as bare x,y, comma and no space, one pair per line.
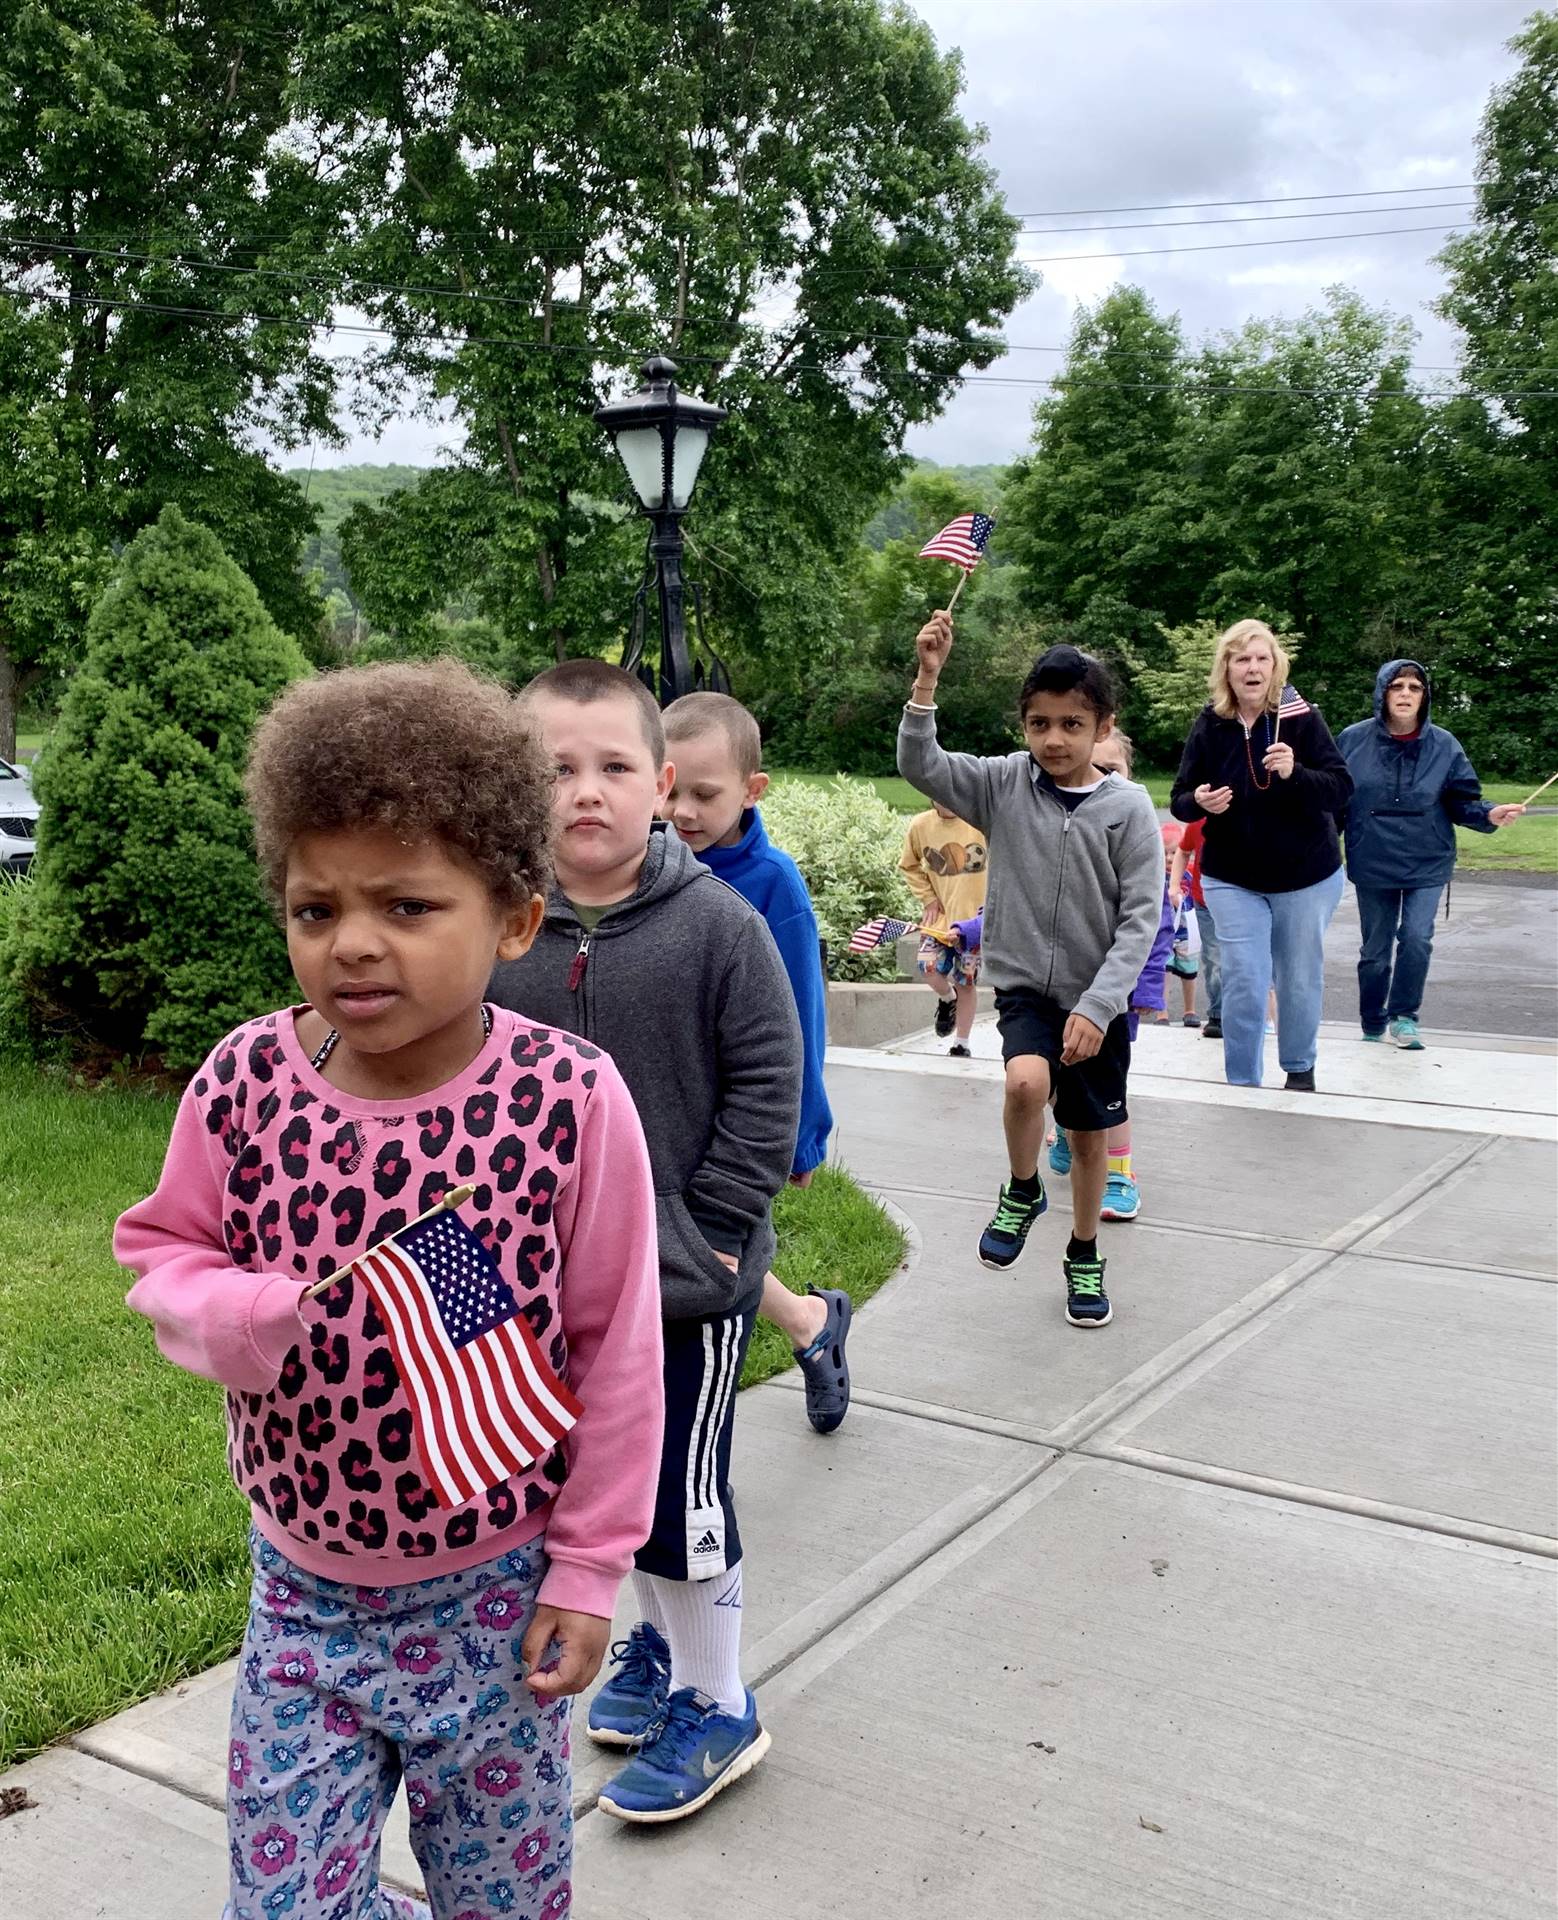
1406,686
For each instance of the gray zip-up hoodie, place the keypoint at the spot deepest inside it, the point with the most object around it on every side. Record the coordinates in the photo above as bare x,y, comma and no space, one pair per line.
683,986
1075,895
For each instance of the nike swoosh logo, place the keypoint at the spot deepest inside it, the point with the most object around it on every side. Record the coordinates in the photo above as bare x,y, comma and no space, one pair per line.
711,1766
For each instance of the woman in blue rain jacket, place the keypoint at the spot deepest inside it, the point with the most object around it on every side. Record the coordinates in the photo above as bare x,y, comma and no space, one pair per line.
1412,786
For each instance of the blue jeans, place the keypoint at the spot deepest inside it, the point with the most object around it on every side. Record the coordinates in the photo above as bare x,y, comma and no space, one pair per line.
1211,962
1403,918
1267,939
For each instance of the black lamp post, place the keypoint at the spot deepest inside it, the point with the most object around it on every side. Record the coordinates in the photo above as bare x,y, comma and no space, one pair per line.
661,435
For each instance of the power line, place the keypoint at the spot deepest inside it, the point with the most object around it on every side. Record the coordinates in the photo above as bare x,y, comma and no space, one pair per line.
1258,219
1270,200
473,297
598,349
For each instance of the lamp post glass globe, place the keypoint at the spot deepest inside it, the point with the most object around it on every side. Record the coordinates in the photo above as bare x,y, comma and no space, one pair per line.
661,436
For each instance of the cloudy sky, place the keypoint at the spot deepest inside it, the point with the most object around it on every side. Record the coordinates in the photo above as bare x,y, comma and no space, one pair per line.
1108,104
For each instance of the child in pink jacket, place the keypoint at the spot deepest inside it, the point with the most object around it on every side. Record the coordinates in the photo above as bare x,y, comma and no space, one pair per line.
402,818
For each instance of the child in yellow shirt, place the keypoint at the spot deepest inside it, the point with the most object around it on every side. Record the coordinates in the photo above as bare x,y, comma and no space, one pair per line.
944,861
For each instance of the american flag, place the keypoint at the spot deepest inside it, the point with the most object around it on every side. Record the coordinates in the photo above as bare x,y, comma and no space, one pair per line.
484,1402
962,541
880,932
1292,704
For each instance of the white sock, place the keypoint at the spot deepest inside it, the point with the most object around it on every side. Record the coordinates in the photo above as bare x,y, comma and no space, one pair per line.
703,1630
646,1591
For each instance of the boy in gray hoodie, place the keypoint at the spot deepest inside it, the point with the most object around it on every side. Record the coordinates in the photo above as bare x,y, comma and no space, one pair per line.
645,953
1076,890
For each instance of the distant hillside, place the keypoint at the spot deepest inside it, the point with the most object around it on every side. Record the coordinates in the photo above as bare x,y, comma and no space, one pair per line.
982,485
335,491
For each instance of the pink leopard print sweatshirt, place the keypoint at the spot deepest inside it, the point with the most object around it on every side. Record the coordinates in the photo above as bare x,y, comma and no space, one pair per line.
274,1178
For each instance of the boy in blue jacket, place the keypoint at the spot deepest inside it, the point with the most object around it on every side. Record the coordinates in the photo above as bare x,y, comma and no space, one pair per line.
1412,786
718,756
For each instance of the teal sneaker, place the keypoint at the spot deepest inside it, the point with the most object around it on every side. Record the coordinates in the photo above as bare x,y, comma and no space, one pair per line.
1002,1240
694,1753
1404,1034
1122,1198
1060,1153
1087,1305
1377,1038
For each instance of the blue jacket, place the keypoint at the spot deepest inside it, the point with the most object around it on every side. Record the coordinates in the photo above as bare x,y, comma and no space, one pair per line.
1408,796
769,880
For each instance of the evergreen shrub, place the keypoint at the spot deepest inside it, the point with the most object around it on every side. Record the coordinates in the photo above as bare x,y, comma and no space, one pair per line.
144,931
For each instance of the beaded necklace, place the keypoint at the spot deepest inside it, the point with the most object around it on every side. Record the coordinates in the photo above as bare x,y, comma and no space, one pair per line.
332,1039
1259,785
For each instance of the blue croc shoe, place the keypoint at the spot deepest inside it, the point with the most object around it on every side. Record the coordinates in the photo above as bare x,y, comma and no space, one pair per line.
1122,1198
633,1699
694,1753
1060,1152
1003,1239
823,1366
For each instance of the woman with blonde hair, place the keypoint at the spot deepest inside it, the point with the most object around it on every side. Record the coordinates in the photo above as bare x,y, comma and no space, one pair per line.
1268,780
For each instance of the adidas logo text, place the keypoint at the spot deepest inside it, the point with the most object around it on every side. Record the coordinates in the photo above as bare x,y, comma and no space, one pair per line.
708,1544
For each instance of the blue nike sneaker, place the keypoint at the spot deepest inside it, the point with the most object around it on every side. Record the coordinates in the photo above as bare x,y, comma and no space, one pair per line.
633,1699
1060,1152
695,1752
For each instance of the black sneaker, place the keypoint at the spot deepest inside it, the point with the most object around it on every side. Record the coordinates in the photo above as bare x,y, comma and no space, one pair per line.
1087,1305
957,1051
946,1017
1213,1030
1300,1082
1002,1240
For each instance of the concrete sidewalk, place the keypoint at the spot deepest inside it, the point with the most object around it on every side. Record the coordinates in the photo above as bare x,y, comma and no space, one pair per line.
1241,1607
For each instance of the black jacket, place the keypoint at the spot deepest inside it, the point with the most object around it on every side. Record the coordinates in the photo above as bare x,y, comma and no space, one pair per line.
683,986
1278,836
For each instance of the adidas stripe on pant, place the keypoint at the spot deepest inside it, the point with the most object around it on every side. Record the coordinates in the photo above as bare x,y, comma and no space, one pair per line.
695,1536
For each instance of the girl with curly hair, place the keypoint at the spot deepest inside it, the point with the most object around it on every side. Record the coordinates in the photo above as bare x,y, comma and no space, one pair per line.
400,1631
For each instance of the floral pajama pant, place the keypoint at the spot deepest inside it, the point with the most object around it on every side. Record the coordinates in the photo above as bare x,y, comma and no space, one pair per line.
343,1693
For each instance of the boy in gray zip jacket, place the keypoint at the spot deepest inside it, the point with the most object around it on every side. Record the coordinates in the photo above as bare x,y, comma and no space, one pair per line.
1076,891
645,953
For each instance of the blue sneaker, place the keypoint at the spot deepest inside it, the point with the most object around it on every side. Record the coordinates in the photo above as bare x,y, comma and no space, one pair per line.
1060,1152
1404,1033
1122,1198
1002,1240
1377,1037
633,1699
694,1752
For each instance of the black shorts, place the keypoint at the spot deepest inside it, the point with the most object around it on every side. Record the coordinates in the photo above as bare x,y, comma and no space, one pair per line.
695,1535
1087,1098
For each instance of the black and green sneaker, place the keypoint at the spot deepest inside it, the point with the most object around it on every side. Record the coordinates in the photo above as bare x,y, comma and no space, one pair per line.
1002,1240
1087,1305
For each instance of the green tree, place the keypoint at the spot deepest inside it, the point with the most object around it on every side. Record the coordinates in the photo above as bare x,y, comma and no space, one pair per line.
148,161
1488,605
783,196
1088,512
145,929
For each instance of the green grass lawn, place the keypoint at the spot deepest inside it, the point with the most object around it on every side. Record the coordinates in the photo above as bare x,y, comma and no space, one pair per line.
123,1565
1526,846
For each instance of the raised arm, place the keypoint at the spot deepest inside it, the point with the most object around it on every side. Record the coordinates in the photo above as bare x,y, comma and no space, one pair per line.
961,781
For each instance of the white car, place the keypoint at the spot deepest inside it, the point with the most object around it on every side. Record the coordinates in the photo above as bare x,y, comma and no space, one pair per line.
18,819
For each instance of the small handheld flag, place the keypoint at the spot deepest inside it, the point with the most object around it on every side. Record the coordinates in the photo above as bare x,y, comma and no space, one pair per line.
1289,706
484,1402
963,542
880,932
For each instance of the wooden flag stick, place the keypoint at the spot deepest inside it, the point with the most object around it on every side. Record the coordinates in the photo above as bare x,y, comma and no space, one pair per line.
1542,788
957,590
455,1197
